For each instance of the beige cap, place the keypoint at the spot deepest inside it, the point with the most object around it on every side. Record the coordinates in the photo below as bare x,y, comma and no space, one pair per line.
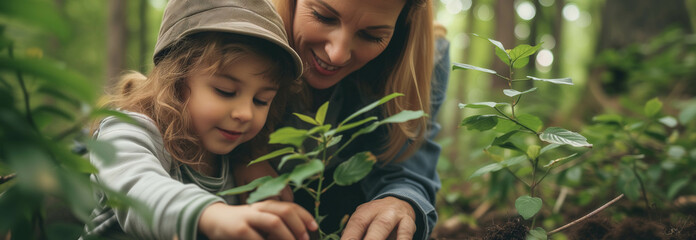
255,18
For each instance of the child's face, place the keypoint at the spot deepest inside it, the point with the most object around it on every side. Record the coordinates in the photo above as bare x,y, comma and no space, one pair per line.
230,106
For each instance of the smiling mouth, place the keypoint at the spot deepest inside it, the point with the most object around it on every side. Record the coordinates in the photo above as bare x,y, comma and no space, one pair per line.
323,67
230,135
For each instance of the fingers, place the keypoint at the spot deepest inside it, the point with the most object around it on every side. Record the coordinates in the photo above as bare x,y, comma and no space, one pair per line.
294,217
272,225
407,228
358,223
382,226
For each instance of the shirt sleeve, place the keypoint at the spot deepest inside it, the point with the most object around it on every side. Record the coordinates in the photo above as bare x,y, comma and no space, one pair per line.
416,180
141,172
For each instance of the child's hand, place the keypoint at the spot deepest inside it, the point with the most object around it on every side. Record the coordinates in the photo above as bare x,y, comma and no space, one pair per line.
268,219
244,174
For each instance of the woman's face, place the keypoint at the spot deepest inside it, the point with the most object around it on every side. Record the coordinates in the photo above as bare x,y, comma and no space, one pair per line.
337,37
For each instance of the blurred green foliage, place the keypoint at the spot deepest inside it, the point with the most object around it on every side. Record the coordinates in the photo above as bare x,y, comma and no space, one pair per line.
45,106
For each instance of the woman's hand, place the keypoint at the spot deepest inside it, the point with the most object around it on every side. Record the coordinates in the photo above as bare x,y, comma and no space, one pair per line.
268,219
384,218
244,174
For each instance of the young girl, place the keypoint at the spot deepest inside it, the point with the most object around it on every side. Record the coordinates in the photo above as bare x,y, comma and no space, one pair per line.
221,68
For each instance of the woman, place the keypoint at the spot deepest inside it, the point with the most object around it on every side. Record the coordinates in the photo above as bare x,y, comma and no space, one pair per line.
357,52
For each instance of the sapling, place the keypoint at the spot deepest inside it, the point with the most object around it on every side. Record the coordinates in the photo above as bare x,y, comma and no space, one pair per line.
313,163
508,120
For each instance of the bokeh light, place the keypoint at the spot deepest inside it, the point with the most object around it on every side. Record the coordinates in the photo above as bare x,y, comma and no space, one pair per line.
526,10
522,31
571,12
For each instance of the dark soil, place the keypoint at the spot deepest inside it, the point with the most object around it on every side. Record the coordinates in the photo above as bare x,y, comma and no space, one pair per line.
598,227
513,229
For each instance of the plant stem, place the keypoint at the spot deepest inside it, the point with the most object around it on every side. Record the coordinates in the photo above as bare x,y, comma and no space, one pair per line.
327,187
515,121
642,186
516,177
27,106
586,216
512,106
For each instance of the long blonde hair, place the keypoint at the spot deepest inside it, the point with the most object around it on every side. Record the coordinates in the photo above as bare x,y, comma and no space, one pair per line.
160,95
407,66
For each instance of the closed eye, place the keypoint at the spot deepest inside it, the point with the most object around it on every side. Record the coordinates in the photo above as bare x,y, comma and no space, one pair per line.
225,93
322,18
260,102
371,37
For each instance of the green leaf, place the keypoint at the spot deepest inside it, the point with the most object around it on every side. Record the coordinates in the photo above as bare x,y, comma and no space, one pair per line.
687,114
608,118
52,75
52,110
42,14
291,157
334,140
321,113
562,136
504,126
269,188
273,154
513,92
549,147
307,119
522,51
370,107
320,129
567,81
513,161
528,206
628,184
676,186
531,121
56,93
305,170
370,128
102,112
537,233
482,105
668,121
652,107
480,122
560,161
533,151
403,116
497,44
248,187
493,167
104,150
349,126
503,138
70,160
289,135
355,169
503,56
520,63
457,66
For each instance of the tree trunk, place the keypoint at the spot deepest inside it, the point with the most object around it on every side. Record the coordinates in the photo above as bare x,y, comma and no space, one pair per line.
116,42
504,32
142,38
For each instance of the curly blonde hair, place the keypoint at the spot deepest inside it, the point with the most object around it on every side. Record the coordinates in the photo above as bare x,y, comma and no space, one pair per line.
160,94
406,66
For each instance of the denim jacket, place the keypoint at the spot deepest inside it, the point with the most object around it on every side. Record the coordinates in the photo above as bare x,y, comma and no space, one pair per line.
414,180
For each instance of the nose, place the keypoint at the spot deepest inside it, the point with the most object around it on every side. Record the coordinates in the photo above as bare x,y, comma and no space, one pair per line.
243,112
339,48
